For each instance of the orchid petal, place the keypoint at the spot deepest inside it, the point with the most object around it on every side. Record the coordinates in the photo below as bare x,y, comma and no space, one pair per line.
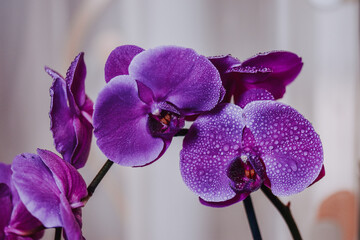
6,207
37,188
67,178
290,148
75,79
180,76
119,61
253,95
212,142
72,229
61,119
121,124
272,71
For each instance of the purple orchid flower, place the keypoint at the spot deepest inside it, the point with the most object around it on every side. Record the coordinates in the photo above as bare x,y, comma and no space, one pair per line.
231,151
148,94
51,189
71,113
15,220
271,71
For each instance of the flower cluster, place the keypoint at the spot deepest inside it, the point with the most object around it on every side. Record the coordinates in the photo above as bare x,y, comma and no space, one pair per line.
230,150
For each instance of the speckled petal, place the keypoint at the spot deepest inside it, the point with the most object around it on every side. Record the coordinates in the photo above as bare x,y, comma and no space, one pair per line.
119,60
121,124
222,64
290,147
237,198
272,71
180,76
212,142
75,79
251,95
61,120
37,188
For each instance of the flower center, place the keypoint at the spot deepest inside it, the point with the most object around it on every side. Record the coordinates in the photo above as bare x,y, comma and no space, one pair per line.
246,172
164,123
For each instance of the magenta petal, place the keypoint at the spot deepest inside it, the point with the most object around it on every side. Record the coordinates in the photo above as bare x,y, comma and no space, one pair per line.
180,76
6,207
75,79
37,188
290,148
72,229
119,60
212,142
81,152
67,178
238,197
23,223
272,71
121,124
255,94
5,173
61,119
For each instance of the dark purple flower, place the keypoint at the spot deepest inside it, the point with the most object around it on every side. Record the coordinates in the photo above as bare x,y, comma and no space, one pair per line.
71,113
15,220
148,94
230,152
271,71
51,189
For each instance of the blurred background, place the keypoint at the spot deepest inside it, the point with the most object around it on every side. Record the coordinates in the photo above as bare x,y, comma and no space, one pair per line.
153,203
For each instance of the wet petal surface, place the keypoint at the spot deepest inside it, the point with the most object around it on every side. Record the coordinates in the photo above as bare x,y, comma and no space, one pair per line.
212,142
290,148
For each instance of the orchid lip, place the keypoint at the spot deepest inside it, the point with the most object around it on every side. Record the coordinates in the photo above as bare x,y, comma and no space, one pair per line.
163,122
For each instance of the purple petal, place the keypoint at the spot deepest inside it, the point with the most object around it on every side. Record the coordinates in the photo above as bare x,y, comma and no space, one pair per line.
238,197
24,224
6,207
212,142
5,173
72,229
120,124
180,76
119,60
61,119
37,188
291,149
67,178
272,71
75,79
253,95
83,131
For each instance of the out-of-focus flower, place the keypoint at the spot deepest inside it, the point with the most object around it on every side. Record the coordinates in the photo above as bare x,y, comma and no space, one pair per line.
230,152
148,94
15,220
71,113
271,71
51,189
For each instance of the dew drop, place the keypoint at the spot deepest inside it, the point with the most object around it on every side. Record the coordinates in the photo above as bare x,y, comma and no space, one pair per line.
226,148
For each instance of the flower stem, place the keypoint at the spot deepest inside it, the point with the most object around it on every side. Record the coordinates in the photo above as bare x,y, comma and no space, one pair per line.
182,132
250,213
58,231
284,211
95,182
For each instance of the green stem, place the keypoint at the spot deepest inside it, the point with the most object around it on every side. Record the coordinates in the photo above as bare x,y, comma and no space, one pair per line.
95,182
182,132
58,231
250,213
284,211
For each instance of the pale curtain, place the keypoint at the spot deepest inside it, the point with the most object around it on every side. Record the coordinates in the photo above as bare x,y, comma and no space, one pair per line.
152,203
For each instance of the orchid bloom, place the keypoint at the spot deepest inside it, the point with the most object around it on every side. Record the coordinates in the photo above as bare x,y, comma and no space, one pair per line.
71,113
147,96
231,151
15,220
51,189
271,71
